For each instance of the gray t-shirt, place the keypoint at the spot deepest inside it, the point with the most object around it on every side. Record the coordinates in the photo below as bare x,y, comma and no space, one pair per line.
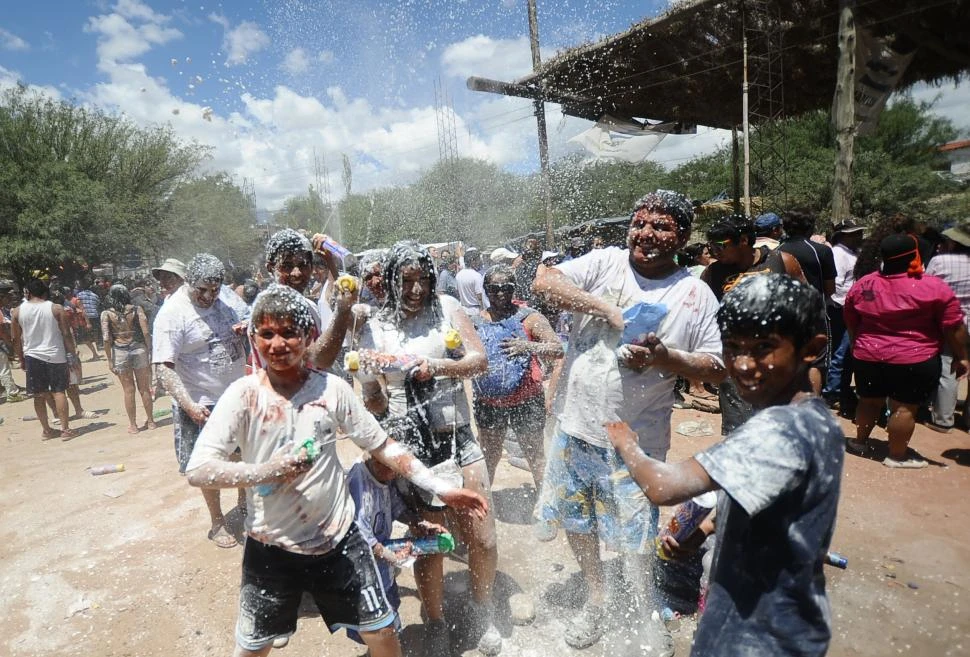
780,472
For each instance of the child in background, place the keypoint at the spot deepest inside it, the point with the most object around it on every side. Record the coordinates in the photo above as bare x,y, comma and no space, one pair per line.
780,473
301,533
379,504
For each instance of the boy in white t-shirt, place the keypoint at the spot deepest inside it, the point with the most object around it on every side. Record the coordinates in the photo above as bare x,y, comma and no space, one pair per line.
587,488
301,530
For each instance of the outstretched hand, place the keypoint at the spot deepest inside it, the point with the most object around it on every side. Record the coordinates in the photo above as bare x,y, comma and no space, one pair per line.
620,434
466,500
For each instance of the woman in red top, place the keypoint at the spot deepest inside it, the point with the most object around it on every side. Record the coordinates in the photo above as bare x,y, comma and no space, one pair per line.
897,320
514,338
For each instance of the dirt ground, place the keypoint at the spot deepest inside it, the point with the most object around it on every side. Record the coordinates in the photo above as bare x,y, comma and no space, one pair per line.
119,565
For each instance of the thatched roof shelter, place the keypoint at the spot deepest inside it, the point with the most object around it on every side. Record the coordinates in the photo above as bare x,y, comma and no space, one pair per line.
686,65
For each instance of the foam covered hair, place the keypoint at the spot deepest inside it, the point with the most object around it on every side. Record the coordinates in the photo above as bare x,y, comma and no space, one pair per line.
118,297
285,241
204,268
407,253
281,302
665,201
763,304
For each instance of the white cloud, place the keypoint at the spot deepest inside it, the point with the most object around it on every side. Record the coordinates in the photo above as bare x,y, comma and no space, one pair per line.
9,78
10,41
296,62
131,30
501,59
950,100
241,41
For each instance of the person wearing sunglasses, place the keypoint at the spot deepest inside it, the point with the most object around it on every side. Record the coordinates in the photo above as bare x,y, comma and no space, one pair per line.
731,239
510,395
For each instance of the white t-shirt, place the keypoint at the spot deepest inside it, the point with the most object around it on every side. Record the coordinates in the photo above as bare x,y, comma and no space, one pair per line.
417,338
593,388
471,293
845,260
207,354
312,513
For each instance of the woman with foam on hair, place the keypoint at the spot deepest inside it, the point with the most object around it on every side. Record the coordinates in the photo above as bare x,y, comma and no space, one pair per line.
897,319
423,406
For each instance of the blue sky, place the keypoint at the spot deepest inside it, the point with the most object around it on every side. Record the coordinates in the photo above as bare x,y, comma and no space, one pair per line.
267,83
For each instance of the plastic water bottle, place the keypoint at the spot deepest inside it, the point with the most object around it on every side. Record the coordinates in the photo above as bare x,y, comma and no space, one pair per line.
107,469
439,544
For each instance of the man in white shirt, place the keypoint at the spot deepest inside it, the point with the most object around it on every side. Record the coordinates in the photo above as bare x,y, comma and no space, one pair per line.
470,282
952,264
587,490
846,238
198,351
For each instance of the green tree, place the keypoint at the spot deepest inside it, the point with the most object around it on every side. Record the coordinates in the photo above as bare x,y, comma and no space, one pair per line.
211,214
76,183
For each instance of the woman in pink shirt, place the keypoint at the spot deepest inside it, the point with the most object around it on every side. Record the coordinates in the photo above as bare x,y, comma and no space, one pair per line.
897,320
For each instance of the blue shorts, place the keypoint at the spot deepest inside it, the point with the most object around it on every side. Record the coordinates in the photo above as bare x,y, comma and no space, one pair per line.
588,489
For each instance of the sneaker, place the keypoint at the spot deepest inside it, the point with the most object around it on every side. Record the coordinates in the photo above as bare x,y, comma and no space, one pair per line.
17,397
490,643
281,641
545,530
912,463
939,428
586,628
437,639
655,635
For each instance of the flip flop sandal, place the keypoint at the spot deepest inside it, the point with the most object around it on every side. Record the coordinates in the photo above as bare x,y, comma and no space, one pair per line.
222,538
68,435
48,435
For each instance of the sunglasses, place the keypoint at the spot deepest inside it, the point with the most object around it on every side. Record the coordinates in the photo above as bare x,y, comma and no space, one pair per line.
716,247
505,287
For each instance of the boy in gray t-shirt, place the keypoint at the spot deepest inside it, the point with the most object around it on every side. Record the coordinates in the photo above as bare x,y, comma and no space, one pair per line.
779,472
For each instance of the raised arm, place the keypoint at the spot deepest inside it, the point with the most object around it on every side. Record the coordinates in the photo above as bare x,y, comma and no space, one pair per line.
325,350
557,291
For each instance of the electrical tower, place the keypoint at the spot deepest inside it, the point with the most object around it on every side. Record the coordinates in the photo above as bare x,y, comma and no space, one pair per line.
769,146
444,113
249,191
454,215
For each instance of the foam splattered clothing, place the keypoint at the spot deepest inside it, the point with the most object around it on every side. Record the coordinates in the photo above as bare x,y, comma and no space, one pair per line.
313,512
780,473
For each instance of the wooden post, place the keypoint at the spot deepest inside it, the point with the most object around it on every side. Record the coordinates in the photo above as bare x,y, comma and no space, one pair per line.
746,127
843,114
540,111
735,170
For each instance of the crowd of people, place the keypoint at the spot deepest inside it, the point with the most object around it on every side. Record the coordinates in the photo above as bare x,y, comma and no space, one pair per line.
577,356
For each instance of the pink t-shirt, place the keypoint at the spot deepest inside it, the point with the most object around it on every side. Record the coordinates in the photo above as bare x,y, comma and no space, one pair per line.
899,319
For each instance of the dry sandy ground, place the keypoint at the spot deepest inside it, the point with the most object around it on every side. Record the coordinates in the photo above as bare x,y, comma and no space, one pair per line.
119,565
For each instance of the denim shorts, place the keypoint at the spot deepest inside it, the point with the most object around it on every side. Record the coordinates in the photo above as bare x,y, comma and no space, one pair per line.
588,489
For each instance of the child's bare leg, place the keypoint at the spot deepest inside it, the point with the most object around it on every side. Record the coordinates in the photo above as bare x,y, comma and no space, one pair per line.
902,422
586,549
60,404
74,395
382,643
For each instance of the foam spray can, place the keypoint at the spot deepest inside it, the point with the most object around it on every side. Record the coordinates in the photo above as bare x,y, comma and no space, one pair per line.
106,469
687,517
